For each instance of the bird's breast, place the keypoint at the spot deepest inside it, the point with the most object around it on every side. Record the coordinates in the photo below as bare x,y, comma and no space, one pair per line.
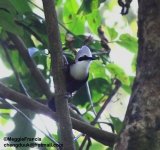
79,70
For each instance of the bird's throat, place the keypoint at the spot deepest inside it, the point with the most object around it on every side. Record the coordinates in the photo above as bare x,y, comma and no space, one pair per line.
79,70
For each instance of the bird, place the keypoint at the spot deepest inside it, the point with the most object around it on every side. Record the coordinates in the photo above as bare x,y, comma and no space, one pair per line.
77,73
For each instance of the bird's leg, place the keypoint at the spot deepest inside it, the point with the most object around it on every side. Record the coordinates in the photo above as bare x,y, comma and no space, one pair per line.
68,96
51,102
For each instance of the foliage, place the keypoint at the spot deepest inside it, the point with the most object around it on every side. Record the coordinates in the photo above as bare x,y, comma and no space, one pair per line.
79,22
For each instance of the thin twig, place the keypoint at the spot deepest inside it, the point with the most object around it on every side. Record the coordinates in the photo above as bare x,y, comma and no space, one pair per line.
78,136
117,86
89,143
58,21
29,29
90,99
35,5
22,87
99,53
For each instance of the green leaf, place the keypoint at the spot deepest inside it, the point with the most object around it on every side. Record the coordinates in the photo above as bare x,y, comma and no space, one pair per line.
30,85
98,70
10,82
89,6
97,146
72,21
18,62
117,123
8,23
79,41
134,63
7,6
46,140
127,88
119,73
111,32
27,39
5,111
21,5
58,2
89,117
81,97
111,5
4,119
35,26
94,21
76,24
2,134
99,87
85,7
129,42
71,6
95,46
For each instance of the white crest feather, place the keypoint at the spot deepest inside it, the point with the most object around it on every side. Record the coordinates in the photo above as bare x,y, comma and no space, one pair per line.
83,51
80,69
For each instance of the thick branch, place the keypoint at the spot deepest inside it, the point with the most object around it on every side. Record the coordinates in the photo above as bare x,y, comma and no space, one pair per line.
28,103
24,101
31,64
55,49
101,136
142,120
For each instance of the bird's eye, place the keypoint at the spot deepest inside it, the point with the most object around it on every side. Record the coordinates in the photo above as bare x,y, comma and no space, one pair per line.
84,57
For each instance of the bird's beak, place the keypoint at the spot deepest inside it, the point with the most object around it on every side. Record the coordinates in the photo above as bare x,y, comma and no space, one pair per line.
87,58
95,58
92,58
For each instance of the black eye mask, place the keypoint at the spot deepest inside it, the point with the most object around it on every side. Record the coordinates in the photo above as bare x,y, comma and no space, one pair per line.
86,58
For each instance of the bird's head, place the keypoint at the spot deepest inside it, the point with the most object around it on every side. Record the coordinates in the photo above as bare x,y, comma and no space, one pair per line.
84,54
79,70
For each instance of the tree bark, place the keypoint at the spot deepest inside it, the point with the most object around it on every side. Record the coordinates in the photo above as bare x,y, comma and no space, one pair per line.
55,48
142,121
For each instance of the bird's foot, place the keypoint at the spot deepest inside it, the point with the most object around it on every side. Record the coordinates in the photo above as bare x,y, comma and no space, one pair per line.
68,95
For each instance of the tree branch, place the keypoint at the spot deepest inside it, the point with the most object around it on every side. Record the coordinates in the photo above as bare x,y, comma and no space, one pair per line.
31,64
101,136
55,48
25,101
28,103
